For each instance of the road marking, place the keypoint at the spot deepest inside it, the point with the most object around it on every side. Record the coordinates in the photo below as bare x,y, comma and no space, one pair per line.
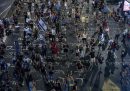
5,9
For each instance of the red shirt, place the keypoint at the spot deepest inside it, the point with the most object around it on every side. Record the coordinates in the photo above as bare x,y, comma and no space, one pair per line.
54,48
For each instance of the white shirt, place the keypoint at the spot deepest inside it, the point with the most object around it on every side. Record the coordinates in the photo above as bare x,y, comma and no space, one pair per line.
126,31
53,31
65,4
29,14
26,59
73,10
110,42
28,30
102,36
83,51
28,19
41,37
84,35
107,29
45,10
59,3
49,3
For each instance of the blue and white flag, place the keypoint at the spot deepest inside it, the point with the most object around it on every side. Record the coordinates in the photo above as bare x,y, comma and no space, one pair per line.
41,24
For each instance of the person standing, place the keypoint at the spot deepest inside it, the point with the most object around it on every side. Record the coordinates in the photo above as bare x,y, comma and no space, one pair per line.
117,37
75,88
84,37
17,48
15,19
43,50
55,49
53,33
25,17
34,86
92,55
35,33
123,54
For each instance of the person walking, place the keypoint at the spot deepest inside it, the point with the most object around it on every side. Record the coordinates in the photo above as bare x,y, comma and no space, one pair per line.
123,54
34,86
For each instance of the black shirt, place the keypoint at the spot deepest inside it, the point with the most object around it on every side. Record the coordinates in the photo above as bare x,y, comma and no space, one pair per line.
92,54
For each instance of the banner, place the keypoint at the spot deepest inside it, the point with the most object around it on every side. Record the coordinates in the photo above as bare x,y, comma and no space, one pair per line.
41,24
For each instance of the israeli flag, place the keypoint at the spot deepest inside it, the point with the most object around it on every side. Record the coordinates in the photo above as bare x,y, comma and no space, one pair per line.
41,24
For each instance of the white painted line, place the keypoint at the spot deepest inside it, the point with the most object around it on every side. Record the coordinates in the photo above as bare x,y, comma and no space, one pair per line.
5,9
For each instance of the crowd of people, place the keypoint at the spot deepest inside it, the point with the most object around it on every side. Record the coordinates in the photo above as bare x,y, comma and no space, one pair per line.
46,34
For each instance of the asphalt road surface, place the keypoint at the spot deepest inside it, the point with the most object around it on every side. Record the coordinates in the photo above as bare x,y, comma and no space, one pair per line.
5,5
93,79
